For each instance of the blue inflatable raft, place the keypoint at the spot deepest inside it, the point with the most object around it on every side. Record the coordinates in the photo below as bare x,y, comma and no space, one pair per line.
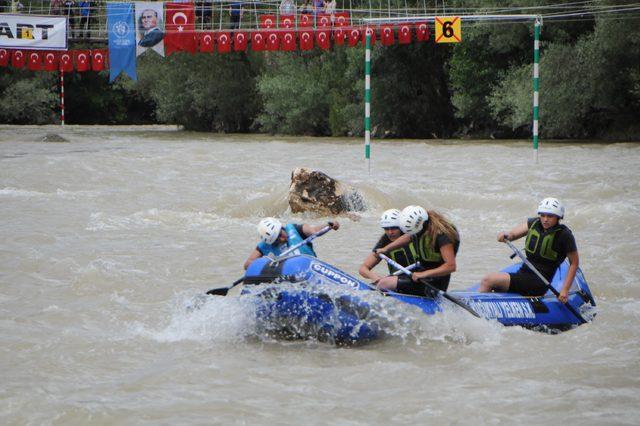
305,310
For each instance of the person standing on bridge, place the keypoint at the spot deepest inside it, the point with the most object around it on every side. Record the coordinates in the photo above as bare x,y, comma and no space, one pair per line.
548,243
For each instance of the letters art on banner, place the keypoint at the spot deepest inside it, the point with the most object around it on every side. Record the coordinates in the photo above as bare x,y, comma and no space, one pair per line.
33,32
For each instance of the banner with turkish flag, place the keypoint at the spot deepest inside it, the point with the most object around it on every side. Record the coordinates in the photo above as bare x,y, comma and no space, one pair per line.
323,39
341,19
35,61
339,35
354,37
50,60
386,35
267,21
18,59
404,34
240,40
305,21
205,41
370,31
257,41
180,27
323,20
224,41
4,57
66,61
289,41
287,21
273,41
422,31
98,58
306,39
82,59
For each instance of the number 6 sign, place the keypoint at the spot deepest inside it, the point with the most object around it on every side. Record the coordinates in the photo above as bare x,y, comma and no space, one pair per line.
448,30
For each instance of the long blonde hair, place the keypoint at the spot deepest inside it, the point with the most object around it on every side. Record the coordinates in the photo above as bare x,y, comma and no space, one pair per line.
438,224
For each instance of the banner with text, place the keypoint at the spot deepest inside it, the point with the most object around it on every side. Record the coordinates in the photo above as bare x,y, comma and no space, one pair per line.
33,32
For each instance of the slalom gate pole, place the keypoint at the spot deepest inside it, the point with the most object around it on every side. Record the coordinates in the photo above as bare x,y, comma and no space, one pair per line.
536,84
367,100
61,98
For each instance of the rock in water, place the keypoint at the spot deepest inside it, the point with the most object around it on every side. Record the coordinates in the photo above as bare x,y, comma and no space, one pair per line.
314,191
53,137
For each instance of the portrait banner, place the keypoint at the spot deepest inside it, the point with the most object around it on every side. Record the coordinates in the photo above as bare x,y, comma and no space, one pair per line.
33,32
149,27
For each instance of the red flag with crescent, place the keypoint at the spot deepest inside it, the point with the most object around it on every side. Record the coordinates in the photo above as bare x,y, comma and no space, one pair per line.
354,37
287,21
224,41
66,61
371,32
404,34
4,57
98,59
323,39
306,21
19,58
289,41
422,31
306,39
35,61
205,41
341,19
179,27
339,35
240,40
50,61
267,21
323,20
273,41
257,41
83,60
386,35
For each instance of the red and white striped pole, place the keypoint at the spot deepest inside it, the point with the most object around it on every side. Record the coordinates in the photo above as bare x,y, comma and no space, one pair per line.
61,97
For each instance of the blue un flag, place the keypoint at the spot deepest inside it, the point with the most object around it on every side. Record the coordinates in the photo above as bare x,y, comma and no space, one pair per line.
122,40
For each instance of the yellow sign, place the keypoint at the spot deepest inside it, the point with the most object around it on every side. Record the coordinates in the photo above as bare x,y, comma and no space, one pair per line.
448,29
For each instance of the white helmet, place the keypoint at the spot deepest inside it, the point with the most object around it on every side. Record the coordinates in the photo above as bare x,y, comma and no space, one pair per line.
389,219
412,219
269,229
551,206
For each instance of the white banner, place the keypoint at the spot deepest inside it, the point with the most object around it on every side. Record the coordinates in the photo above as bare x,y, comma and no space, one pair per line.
33,32
149,27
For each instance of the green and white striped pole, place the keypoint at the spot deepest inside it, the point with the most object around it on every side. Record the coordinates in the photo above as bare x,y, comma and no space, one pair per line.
367,100
536,84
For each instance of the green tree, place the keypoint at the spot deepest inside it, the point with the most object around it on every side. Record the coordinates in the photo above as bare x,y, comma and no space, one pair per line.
27,97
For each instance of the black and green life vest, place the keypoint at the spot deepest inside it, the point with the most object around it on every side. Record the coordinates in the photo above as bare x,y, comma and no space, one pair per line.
405,256
542,246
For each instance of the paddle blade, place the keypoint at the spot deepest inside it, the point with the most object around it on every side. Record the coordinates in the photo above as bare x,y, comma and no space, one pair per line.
218,291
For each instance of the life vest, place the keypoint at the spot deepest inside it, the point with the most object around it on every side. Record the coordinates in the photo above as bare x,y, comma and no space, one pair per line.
293,238
541,244
405,256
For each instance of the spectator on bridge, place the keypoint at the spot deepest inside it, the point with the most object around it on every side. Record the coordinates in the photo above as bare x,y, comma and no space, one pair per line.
287,7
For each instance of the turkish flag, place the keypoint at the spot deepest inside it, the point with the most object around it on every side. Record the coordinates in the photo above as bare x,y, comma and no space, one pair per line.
267,21
422,32
387,36
323,20
224,42
306,39
66,61
273,41
35,61
82,58
287,21
98,59
289,41
339,35
205,41
51,61
240,40
354,37
19,58
323,39
306,21
341,19
4,57
257,42
404,34
180,28
372,33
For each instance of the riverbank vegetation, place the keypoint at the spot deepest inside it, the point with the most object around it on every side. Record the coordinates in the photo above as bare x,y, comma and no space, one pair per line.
482,87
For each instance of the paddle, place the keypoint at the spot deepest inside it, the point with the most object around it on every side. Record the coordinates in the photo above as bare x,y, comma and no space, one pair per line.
431,287
544,280
222,291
